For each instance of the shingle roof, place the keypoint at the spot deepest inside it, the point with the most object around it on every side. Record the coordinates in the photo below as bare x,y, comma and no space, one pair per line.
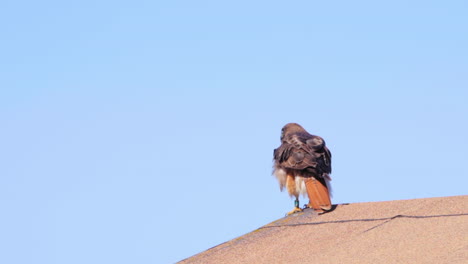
432,230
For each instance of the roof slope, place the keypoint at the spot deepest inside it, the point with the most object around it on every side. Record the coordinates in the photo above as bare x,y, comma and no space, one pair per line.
433,230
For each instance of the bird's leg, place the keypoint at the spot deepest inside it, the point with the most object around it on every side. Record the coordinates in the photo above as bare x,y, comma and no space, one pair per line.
296,207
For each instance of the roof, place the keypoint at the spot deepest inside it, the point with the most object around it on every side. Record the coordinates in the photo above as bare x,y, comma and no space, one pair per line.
432,230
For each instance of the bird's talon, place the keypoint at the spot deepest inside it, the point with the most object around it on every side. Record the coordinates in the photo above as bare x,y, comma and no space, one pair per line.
295,210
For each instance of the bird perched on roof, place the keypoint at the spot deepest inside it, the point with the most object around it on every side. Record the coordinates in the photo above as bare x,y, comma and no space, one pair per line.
302,164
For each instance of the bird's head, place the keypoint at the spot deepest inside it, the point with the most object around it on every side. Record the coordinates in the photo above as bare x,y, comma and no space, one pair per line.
291,128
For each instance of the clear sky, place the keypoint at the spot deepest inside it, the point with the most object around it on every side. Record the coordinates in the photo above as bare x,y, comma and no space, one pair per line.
143,131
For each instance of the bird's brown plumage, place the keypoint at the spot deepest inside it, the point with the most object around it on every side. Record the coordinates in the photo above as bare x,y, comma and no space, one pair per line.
302,164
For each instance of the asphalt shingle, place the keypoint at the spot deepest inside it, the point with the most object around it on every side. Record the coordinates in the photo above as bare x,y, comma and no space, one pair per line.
432,230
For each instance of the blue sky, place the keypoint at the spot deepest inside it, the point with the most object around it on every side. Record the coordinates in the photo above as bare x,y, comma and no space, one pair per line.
143,131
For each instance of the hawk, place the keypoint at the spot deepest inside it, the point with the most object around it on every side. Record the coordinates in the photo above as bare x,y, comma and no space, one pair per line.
302,164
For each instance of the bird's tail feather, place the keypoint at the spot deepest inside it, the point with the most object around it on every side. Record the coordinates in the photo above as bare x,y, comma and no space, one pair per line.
319,195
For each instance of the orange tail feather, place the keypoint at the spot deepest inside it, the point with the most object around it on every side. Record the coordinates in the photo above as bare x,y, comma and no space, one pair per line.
319,197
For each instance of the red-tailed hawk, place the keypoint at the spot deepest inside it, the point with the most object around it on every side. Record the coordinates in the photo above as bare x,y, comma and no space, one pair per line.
302,164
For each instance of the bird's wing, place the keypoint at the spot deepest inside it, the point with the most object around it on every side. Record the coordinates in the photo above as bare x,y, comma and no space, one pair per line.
320,153
327,158
302,151
294,153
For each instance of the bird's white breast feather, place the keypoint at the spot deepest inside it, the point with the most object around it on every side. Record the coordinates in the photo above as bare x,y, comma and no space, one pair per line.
300,186
280,175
